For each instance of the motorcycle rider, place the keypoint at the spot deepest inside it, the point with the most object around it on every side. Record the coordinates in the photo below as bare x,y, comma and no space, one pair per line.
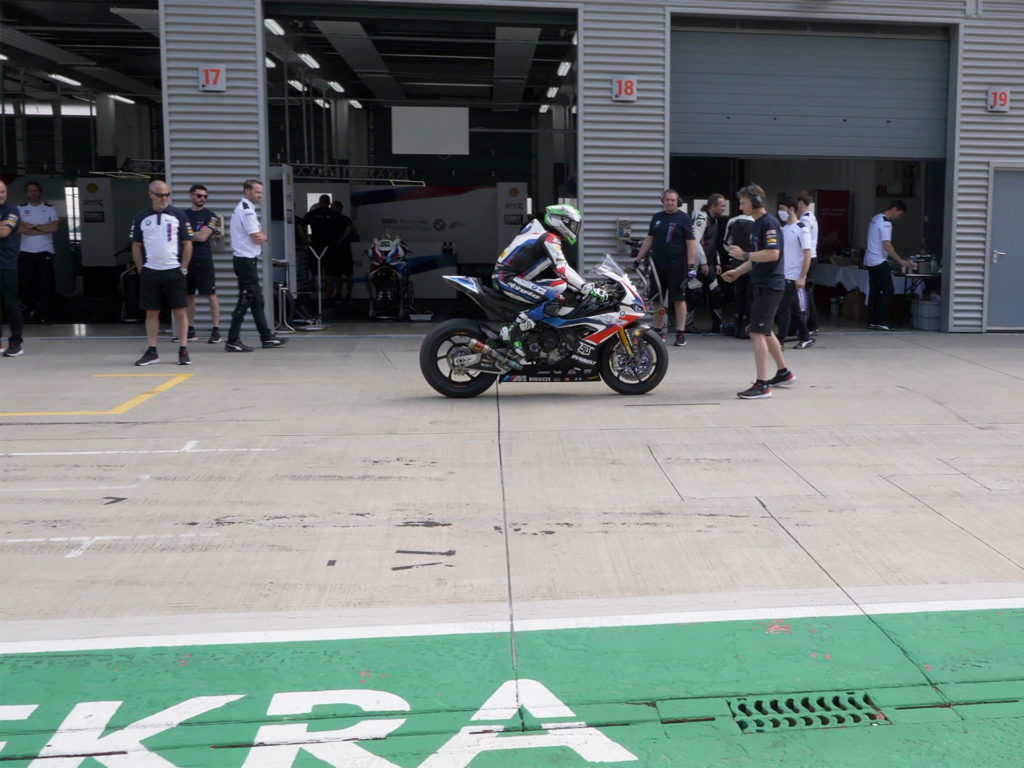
534,250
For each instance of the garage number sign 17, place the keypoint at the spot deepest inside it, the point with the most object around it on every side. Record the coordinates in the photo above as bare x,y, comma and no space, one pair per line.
213,77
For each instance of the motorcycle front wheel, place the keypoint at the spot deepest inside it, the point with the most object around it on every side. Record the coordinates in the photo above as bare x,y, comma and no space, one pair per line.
629,375
439,360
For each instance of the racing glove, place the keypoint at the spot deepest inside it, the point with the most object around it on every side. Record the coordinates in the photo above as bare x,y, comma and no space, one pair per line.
593,291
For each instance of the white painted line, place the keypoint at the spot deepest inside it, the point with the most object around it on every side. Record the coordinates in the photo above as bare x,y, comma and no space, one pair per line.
189,447
15,489
84,542
491,627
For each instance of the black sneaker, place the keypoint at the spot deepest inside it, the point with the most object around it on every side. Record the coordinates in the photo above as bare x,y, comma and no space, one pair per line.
781,379
236,346
660,332
805,343
183,358
815,331
758,391
192,336
214,337
13,350
680,340
149,357
274,342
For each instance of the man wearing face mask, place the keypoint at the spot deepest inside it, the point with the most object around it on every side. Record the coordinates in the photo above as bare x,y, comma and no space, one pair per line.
803,207
796,260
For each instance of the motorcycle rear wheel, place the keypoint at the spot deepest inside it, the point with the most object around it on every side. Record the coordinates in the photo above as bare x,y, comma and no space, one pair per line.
626,377
440,348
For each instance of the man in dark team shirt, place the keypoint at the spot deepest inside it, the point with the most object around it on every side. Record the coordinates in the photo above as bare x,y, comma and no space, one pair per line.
762,258
670,238
200,278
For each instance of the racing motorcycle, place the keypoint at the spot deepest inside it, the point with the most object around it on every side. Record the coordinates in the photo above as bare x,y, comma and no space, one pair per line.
586,339
388,279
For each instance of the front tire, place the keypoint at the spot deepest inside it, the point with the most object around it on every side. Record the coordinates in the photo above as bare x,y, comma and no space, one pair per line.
628,377
440,350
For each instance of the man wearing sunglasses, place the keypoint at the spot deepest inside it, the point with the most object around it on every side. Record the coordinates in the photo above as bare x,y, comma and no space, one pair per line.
162,249
200,278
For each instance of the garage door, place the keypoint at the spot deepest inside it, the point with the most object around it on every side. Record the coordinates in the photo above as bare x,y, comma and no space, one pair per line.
745,93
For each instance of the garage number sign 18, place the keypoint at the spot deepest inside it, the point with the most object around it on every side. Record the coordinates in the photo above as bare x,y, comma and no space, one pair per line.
624,88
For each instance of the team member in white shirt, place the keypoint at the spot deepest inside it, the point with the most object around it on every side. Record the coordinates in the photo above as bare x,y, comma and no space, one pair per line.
796,260
39,221
247,238
877,263
161,249
803,209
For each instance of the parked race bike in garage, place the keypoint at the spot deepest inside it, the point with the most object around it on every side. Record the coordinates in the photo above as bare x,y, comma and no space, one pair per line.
587,340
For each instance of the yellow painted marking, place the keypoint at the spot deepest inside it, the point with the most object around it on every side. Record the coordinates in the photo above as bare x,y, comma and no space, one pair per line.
174,380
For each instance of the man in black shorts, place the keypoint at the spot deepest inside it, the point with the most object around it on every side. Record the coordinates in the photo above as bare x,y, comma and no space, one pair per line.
348,230
162,249
670,236
200,278
762,258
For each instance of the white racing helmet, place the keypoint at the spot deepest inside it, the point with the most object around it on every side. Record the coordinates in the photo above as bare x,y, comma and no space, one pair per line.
565,220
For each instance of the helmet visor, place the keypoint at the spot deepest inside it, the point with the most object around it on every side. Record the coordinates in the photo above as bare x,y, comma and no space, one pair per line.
572,226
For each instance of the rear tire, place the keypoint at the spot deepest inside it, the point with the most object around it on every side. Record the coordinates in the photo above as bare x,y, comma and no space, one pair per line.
619,371
437,352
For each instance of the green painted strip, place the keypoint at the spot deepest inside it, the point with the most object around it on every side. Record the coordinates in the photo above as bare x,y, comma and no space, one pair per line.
950,685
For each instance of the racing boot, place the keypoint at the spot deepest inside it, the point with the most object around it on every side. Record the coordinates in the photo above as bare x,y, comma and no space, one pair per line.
513,334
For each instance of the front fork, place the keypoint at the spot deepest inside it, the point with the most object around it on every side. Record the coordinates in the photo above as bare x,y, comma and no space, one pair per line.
631,341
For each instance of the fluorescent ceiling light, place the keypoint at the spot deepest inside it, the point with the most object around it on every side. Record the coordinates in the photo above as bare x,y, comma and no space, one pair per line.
297,85
335,86
270,63
62,79
573,110
543,108
2,57
355,103
122,99
575,38
322,103
273,26
309,61
552,91
563,68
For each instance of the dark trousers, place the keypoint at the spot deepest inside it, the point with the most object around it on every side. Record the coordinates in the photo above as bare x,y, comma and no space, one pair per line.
250,295
37,282
11,304
789,309
880,287
812,309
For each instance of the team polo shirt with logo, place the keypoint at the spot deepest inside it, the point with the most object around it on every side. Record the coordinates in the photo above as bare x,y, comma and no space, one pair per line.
244,222
36,215
161,234
204,217
669,233
879,231
796,238
765,235
811,222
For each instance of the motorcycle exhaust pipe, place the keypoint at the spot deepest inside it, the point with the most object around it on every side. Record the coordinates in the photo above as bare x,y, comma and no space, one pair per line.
479,346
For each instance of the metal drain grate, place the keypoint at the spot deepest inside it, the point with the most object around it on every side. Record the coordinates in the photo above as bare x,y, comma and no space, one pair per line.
802,711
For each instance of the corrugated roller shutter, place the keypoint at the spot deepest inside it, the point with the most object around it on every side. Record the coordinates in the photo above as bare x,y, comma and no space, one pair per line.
214,138
992,57
623,144
745,93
